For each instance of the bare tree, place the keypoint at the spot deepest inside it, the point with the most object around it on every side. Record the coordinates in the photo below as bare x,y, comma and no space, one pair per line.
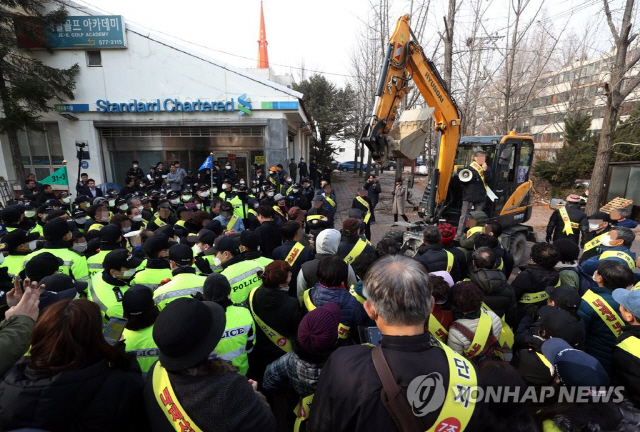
447,38
616,89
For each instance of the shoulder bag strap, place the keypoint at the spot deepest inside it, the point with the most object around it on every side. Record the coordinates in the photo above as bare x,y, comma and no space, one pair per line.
393,397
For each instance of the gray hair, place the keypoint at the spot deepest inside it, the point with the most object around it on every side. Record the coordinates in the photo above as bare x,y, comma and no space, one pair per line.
399,289
624,213
625,234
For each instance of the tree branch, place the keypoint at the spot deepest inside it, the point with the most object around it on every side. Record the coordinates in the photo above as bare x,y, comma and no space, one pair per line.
612,27
631,85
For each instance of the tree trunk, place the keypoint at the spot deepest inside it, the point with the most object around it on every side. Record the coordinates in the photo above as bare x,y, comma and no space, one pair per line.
511,58
448,43
603,156
16,156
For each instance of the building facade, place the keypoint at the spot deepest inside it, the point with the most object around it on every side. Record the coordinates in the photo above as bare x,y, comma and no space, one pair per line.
153,100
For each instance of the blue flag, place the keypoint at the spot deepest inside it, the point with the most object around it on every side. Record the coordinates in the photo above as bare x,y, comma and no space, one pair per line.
208,163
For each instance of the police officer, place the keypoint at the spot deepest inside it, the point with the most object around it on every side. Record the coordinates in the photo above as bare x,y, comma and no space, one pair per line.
12,217
107,288
57,235
174,200
240,330
240,204
79,217
30,215
65,201
184,282
83,202
17,244
230,173
110,239
269,198
227,192
295,198
203,193
242,275
157,267
307,190
140,312
204,253
41,219
567,222
249,244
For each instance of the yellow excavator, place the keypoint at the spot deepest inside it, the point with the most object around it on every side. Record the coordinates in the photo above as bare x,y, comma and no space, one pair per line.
388,137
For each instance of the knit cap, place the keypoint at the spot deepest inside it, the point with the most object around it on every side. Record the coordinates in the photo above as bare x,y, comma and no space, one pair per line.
318,330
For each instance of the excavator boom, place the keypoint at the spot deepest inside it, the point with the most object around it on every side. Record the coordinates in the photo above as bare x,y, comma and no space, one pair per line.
387,138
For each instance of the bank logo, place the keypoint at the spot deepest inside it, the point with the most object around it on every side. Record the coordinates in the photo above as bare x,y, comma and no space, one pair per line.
426,393
244,105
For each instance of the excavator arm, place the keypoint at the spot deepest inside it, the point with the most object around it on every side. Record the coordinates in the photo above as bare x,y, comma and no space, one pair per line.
385,138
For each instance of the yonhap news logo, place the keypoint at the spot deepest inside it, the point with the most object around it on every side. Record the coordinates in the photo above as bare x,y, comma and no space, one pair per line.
426,394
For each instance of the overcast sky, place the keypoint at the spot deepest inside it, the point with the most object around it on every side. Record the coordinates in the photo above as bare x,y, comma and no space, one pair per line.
318,33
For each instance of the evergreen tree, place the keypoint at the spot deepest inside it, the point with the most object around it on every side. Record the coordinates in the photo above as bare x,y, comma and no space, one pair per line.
576,157
330,108
27,86
628,131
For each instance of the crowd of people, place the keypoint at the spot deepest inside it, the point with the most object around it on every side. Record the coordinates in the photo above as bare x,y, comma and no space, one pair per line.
217,303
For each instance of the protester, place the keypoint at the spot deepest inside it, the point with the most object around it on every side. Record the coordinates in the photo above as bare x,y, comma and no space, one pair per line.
434,256
73,379
186,332
398,299
293,252
269,231
620,218
568,222
352,243
625,360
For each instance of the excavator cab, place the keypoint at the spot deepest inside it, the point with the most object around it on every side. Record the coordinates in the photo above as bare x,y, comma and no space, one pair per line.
509,158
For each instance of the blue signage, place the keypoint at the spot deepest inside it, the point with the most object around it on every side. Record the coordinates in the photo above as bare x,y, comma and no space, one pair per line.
71,107
84,164
87,32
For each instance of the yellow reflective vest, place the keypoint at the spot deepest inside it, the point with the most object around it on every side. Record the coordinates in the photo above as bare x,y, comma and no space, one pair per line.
238,338
141,343
182,285
106,297
243,277
73,264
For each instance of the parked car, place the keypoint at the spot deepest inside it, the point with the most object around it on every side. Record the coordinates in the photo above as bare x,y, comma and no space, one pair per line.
351,166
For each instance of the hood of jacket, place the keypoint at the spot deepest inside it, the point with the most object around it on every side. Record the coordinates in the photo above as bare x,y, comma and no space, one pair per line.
328,241
489,281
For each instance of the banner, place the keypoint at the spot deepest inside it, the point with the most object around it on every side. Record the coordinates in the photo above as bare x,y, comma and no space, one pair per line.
59,177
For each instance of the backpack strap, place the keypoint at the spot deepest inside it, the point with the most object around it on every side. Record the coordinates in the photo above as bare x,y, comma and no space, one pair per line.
393,397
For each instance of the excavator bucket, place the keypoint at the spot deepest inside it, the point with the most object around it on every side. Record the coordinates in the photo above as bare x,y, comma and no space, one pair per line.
406,139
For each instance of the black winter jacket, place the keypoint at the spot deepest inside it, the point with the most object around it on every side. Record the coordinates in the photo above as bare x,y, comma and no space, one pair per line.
270,237
281,252
498,294
579,224
435,258
625,367
348,243
473,190
96,398
533,279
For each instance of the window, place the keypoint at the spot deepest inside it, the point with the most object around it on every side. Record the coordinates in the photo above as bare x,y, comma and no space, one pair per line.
41,150
94,59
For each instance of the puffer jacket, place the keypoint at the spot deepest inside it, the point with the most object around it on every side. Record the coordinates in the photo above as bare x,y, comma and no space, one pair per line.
435,258
533,279
625,367
497,293
600,339
591,265
459,342
352,311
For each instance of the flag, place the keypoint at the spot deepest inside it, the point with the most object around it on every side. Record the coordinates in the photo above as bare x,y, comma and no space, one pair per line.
59,177
208,163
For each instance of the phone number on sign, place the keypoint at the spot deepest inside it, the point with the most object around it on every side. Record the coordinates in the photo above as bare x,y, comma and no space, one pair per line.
110,42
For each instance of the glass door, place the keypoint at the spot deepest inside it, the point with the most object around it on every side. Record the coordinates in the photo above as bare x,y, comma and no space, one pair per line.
238,161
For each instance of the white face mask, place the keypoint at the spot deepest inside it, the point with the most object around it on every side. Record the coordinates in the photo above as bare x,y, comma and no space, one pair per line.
66,200
606,240
137,218
204,194
29,214
593,226
215,190
217,262
33,245
128,273
1,257
81,221
79,247
186,197
270,194
135,166
105,219
112,203
296,190
177,240
198,206
126,230
140,208
197,250
242,182
175,201
124,207
227,167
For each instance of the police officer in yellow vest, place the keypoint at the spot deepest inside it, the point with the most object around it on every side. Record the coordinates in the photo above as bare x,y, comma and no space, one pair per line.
140,312
598,226
242,275
353,244
185,281
625,361
615,245
110,239
293,252
12,217
17,244
57,235
107,288
568,222
157,268
249,244
240,204
240,330
204,253
477,220
41,219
